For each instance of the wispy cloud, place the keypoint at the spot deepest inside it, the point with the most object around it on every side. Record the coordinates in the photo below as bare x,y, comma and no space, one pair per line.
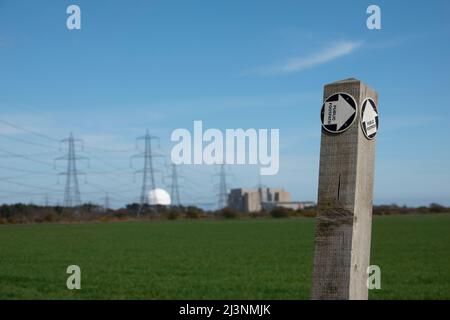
300,63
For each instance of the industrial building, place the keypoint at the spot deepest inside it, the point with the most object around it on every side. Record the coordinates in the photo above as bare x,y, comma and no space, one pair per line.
257,199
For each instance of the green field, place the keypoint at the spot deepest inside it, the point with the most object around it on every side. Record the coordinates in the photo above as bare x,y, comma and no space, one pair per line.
241,259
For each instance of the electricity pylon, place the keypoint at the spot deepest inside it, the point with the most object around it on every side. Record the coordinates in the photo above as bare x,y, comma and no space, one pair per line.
260,192
72,197
174,187
222,201
106,202
148,172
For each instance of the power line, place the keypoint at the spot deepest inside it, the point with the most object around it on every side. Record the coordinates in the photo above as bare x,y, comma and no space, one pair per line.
29,131
27,157
19,195
21,176
102,190
30,186
101,149
28,142
24,170
115,190
104,173
71,191
104,162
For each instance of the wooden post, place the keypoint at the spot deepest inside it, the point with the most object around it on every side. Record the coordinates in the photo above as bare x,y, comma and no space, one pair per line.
344,222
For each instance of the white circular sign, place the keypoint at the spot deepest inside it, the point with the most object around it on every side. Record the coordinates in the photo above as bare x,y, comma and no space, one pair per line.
338,112
369,118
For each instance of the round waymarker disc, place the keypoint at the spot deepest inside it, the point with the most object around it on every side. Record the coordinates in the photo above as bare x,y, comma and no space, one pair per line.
338,112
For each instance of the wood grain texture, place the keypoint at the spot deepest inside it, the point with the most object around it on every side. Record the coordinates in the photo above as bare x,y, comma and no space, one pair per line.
344,222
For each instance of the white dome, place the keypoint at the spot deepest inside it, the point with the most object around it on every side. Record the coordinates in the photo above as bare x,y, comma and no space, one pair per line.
158,197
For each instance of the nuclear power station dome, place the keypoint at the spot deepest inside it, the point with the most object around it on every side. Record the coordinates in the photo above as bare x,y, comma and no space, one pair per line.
158,197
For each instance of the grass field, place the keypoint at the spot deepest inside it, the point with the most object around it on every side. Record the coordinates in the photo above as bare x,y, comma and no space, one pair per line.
264,259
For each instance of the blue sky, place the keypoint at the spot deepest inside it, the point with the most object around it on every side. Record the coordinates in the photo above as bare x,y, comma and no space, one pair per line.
160,65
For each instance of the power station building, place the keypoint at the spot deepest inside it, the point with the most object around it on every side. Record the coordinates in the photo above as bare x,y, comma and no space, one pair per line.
253,200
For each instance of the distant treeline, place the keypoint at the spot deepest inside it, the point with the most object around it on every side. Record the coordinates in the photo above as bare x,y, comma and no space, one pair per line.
29,213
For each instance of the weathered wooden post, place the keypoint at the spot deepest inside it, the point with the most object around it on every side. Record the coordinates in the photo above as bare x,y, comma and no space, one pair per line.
343,228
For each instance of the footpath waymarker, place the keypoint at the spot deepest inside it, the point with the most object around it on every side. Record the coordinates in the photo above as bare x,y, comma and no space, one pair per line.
369,118
344,221
338,112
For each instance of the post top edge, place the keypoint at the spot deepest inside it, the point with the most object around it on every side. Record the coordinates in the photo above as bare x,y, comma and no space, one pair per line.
348,80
